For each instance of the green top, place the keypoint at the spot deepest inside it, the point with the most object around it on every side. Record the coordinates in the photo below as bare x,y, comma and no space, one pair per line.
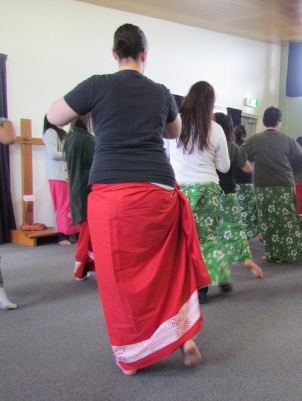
79,149
272,152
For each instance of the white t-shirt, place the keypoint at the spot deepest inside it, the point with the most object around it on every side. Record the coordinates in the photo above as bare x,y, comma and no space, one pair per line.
200,167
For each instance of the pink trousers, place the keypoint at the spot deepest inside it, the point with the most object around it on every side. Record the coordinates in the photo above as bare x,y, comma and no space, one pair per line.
59,191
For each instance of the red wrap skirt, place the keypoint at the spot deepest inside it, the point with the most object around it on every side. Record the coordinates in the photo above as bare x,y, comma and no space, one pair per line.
299,197
148,267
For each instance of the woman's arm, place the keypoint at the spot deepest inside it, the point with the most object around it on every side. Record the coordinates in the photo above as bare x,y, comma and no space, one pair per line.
247,167
60,113
173,130
222,158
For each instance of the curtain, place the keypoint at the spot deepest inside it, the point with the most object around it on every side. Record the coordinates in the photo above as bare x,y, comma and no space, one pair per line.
235,115
294,70
7,219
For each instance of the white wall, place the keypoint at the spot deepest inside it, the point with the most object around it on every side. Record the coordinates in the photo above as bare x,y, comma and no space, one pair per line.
54,44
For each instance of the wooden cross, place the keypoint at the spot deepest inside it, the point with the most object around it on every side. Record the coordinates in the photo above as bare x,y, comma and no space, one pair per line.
18,236
26,141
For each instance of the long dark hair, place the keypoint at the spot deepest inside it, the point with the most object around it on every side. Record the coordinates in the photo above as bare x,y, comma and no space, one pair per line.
226,124
240,132
129,41
196,114
47,125
81,122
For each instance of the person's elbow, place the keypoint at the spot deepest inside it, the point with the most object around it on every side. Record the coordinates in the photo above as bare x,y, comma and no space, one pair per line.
172,130
247,167
60,113
224,167
8,133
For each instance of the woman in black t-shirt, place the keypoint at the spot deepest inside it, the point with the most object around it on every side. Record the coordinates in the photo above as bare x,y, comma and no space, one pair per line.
142,230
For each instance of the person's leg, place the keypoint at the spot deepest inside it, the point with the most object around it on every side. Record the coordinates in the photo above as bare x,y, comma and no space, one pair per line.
132,247
61,202
63,239
281,226
205,204
191,354
5,303
254,268
83,261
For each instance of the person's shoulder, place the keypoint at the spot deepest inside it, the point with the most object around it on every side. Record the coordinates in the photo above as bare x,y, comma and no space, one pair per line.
50,133
157,85
97,79
216,130
232,145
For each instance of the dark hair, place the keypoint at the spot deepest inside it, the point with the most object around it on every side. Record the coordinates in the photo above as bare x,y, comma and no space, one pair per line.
240,132
272,116
299,140
196,113
129,41
227,125
81,122
47,125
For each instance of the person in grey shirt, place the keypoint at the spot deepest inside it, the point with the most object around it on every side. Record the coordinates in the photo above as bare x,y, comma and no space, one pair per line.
272,152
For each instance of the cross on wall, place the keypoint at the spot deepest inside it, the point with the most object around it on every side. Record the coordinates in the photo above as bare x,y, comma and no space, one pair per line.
26,141
29,238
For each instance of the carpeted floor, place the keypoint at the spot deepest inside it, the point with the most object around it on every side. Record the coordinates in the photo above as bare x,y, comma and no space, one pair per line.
55,347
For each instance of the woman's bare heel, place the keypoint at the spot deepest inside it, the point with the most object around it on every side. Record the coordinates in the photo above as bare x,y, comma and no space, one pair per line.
255,269
191,354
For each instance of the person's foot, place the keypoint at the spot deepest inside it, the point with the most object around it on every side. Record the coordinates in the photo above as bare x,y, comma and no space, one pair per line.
65,242
127,372
202,295
83,278
63,239
190,353
254,268
225,288
5,303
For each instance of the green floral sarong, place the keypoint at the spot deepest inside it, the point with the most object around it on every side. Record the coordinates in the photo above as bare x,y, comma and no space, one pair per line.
232,231
205,204
280,225
248,208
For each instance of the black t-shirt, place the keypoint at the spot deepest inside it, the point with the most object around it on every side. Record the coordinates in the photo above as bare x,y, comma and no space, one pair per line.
240,176
129,112
238,158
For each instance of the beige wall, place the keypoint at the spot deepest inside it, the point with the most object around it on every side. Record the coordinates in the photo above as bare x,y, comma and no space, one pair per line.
54,44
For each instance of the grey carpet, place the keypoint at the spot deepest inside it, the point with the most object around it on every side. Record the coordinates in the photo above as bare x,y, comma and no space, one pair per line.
55,347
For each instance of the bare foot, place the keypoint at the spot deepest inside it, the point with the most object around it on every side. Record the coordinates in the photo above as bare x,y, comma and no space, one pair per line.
127,372
191,355
263,257
65,242
255,269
